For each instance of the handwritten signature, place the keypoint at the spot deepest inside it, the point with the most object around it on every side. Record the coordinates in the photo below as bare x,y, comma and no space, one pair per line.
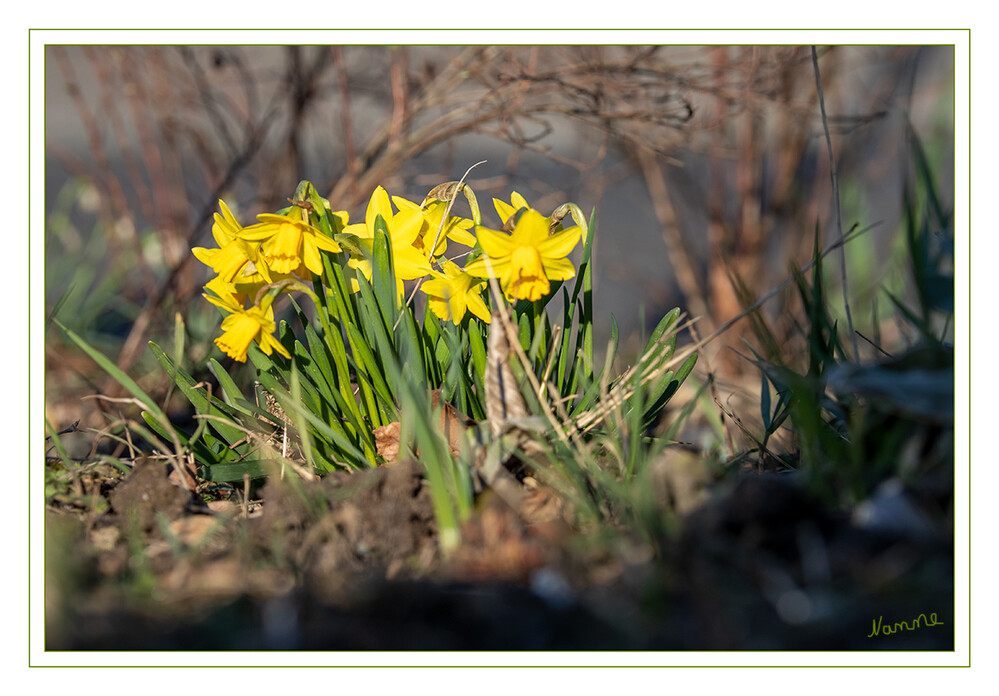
879,628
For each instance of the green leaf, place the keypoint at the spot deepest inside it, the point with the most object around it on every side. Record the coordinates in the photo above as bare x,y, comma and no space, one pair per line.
765,399
295,408
305,365
383,274
431,337
60,448
524,331
590,394
199,399
318,352
586,275
412,353
674,428
537,338
477,346
666,388
230,391
202,453
367,362
661,328
338,290
178,338
300,425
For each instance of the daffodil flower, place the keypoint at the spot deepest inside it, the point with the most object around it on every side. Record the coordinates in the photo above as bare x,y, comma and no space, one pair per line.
456,228
527,260
403,229
235,256
288,242
453,292
243,326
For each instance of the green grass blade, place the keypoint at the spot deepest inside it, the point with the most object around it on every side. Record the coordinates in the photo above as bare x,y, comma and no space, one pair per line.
231,393
200,400
113,370
60,448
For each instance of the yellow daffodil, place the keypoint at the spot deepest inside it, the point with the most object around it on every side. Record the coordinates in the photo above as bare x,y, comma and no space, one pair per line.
403,229
456,228
527,260
235,256
454,291
243,326
289,241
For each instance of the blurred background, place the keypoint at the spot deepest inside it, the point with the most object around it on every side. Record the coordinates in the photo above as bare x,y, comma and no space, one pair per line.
706,166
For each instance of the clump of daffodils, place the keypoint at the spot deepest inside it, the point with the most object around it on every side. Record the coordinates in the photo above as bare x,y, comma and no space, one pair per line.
358,371
292,250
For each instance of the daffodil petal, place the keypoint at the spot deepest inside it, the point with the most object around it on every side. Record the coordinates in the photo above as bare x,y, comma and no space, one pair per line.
257,233
229,262
560,243
477,307
342,217
359,230
223,302
462,236
479,269
310,255
404,204
451,269
227,213
273,219
436,287
503,209
269,342
326,243
378,205
405,227
362,265
239,330
205,256
495,244
531,229
559,269
440,308
456,304
410,264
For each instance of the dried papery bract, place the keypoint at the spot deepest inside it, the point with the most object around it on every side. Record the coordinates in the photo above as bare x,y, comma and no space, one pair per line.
504,402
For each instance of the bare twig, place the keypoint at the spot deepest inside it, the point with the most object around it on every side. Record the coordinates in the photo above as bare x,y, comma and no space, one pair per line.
624,389
682,265
835,188
346,123
180,458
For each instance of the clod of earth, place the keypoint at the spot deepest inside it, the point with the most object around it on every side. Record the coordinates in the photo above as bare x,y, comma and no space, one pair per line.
145,492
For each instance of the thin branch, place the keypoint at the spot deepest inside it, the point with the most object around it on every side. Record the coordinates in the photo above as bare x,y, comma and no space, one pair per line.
835,188
590,418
